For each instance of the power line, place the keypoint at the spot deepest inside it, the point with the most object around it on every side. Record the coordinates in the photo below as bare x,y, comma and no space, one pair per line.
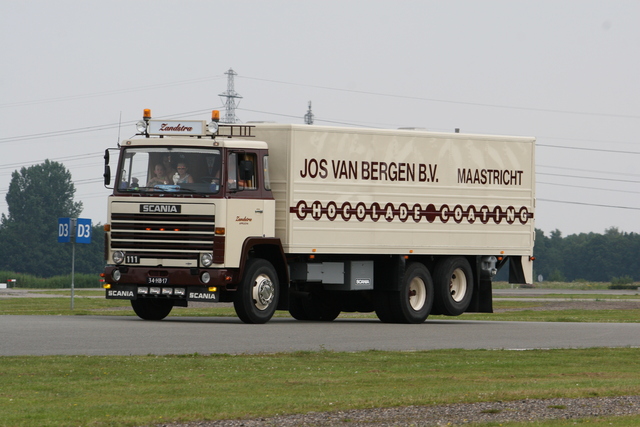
584,140
358,124
111,92
297,117
62,132
91,128
75,183
418,98
56,159
586,170
588,177
588,204
588,188
588,149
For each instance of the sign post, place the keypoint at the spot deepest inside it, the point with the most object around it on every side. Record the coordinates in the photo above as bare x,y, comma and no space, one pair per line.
74,230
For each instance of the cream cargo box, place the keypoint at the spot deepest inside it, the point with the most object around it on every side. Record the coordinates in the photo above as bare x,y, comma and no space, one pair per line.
370,191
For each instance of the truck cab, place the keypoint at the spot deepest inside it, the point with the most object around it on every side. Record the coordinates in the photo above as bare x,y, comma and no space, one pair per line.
180,188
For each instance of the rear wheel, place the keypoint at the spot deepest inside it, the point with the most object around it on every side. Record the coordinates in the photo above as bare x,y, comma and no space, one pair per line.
453,280
257,296
412,304
382,306
152,309
311,307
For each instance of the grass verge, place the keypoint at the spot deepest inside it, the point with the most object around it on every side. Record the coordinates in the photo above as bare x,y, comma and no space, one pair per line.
532,311
130,391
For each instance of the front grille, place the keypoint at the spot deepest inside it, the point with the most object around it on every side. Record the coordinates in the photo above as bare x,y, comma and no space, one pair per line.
168,236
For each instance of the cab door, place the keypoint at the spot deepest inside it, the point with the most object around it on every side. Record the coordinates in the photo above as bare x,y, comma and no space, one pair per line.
245,203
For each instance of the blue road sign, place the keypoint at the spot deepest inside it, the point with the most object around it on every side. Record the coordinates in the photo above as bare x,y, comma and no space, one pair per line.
83,230
64,230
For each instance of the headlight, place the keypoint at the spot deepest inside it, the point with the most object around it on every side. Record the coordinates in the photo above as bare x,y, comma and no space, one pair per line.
118,257
205,277
206,259
116,275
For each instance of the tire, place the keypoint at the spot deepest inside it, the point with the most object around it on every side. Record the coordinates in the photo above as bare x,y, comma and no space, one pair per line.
297,309
453,279
311,307
152,309
382,307
412,304
257,296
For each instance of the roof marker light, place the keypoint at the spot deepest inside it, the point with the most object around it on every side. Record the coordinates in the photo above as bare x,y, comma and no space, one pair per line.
143,125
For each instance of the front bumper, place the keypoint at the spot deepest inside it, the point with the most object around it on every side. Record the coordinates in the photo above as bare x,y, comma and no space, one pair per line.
172,283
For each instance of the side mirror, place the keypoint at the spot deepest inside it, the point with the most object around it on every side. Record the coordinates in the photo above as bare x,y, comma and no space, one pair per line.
107,175
107,170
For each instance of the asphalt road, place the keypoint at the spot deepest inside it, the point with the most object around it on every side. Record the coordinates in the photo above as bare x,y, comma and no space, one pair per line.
126,335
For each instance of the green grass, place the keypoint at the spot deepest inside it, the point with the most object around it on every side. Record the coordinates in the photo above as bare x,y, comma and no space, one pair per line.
62,306
81,280
115,391
67,292
130,391
521,310
576,285
570,297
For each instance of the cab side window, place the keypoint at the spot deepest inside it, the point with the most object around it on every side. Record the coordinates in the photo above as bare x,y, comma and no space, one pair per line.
242,171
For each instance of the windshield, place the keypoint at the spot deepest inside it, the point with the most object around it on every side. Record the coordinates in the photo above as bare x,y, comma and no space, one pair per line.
172,169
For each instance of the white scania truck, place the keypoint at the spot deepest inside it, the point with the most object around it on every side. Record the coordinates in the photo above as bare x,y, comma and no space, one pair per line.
316,220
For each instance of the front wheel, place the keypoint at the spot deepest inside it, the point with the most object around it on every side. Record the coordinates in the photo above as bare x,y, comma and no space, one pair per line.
152,309
257,296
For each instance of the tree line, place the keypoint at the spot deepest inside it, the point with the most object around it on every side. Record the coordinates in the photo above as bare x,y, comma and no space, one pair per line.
38,195
587,256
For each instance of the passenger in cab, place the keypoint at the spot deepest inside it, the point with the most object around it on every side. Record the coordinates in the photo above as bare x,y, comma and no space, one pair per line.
160,177
182,177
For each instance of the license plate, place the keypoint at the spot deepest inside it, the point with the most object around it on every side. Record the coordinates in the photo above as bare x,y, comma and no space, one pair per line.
157,280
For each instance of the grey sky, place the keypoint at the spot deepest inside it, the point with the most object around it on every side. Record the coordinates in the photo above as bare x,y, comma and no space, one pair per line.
566,72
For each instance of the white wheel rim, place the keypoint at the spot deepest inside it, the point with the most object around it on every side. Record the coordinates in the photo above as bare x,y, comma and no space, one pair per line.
458,285
263,292
417,293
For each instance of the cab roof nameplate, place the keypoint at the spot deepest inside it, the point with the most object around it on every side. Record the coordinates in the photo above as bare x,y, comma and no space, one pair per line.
177,127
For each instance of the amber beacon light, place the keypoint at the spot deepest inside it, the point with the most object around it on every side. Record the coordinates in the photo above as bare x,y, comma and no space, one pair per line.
212,126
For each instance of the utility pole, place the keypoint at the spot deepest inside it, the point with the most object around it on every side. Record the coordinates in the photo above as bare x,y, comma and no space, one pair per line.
231,95
308,118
